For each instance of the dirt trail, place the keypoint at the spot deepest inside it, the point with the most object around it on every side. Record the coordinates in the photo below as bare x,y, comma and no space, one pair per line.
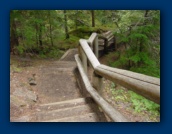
53,81
37,82
56,82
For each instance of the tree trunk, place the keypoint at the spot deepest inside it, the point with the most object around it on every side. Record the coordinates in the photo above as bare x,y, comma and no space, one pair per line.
40,35
14,38
66,28
76,19
40,28
36,35
146,15
93,18
50,28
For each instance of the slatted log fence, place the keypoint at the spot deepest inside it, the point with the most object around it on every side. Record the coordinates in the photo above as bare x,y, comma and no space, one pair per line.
147,86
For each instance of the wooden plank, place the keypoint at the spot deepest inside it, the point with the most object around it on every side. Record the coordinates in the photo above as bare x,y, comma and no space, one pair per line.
133,75
109,39
90,44
92,37
96,46
109,36
101,36
97,82
148,90
107,108
108,32
90,55
106,35
84,60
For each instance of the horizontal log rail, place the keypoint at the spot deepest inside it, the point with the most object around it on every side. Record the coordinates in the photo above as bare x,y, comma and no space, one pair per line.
108,37
147,86
109,110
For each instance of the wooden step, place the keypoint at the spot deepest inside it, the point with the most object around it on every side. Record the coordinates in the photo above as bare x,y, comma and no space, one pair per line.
63,63
65,104
90,117
62,113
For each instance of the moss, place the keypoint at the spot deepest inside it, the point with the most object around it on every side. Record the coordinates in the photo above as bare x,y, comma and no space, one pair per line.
85,32
15,69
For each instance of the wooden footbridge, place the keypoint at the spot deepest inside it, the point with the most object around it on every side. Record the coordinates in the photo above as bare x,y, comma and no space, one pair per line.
79,100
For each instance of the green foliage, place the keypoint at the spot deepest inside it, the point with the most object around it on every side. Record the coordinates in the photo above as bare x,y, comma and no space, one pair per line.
55,53
141,104
142,37
15,69
148,70
135,36
117,94
20,49
138,103
119,63
85,32
50,52
113,85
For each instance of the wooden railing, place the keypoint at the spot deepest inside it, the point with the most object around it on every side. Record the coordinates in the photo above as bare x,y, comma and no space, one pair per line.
108,37
144,85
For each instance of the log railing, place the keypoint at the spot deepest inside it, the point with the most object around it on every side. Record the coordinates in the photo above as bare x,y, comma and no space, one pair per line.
147,86
107,37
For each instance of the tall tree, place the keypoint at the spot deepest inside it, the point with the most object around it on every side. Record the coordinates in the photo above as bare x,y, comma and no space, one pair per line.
50,27
13,30
93,18
140,29
65,24
40,26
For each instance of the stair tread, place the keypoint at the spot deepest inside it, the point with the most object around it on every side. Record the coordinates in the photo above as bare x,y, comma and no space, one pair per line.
90,117
65,112
65,104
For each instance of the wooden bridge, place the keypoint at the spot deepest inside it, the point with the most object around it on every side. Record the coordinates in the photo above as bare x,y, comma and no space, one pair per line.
83,101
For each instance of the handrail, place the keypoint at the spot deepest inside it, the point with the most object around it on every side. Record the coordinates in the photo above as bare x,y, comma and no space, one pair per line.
90,55
144,85
109,110
149,88
93,42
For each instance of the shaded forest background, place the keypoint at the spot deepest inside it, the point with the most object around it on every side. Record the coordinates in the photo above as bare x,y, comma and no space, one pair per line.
49,33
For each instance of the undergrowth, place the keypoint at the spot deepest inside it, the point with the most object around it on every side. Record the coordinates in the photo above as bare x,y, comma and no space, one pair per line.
139,104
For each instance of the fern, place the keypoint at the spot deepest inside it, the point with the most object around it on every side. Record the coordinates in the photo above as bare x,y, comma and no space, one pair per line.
140,103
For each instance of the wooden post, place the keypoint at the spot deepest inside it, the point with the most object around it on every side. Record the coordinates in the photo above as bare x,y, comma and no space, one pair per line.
84,60
92,58
96,47
97,82
79,50
105,46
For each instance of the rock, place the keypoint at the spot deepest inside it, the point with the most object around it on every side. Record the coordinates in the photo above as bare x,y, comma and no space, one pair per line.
32,82
17,101
30,79
26,94
31,96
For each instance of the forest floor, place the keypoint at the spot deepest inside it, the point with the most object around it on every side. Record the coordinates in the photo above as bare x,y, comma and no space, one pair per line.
24,89
39,81
23,86
120,98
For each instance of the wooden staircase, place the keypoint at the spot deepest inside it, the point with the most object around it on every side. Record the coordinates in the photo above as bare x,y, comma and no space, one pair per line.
63,100
61,97
75,110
